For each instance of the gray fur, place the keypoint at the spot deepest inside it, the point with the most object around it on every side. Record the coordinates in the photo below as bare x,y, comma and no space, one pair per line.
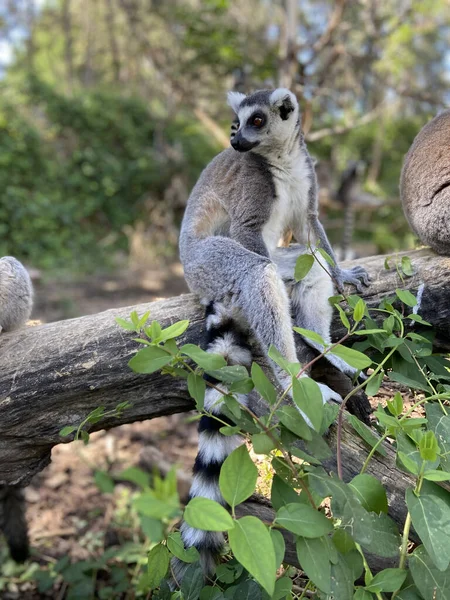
238,211
16,301
425,184
16,294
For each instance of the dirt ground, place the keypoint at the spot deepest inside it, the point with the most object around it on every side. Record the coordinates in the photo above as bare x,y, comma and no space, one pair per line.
67,513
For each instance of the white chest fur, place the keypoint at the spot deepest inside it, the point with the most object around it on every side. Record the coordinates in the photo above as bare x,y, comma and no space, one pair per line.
292,184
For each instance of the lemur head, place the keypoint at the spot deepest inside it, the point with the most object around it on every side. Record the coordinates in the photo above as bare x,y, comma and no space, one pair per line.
264,120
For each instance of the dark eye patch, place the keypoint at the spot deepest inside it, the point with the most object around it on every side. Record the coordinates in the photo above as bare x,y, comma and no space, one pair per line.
256,120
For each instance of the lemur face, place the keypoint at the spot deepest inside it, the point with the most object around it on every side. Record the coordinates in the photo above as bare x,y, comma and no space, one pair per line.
264,120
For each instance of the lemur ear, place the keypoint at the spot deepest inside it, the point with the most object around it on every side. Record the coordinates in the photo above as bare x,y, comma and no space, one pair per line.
285,101
234,100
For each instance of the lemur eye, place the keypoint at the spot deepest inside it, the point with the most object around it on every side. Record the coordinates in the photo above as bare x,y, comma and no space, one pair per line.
257,121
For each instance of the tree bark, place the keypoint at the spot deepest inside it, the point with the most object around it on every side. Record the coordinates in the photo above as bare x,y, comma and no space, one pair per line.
54,375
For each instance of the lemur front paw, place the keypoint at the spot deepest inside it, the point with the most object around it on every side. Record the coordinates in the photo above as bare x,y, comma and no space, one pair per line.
356,276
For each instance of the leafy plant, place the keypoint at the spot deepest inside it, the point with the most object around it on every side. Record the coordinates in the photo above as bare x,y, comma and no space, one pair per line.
331,547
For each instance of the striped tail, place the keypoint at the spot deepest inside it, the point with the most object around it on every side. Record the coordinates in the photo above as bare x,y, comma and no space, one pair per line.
13,522
228,337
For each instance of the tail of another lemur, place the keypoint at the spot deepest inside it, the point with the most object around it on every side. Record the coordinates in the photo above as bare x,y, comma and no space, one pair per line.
227,336
16,301
13,523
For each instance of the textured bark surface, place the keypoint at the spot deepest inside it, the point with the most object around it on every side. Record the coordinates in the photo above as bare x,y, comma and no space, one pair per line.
53,375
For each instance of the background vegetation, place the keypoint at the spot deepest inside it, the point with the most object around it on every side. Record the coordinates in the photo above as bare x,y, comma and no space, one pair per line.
109,109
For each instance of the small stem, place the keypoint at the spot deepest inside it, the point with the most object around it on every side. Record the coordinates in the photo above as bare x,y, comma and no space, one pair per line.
342,407
305,589
407,527
372,452
367,569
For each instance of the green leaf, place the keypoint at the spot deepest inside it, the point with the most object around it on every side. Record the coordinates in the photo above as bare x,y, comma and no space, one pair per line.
440,424
252,546
362,332
370,492
293,420
65,431
176,546
407,266
84,436
432,583
342,578
197,388
373,384
343,541
125,324
409,592
434,475
278,545
283,588
263,385
359,310
388,580
408,463
230,374
282,493
173,331
154,330
262,444
326,256
158,563
205,360
412,383
419,319
356,359
238,477
193,582
303,520
430,514
361,594
208,515
384,536
278,358
230,430
308,397
303,266
104,482
135,475
148,504
149,359
366,434
428,446
395,406
229,572
406,297
152,528
310,335
343,316
310,553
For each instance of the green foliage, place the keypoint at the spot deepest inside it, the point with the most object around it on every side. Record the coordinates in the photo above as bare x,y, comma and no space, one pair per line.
332,546
70,185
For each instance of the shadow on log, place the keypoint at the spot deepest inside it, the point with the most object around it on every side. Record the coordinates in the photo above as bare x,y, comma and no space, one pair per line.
53,375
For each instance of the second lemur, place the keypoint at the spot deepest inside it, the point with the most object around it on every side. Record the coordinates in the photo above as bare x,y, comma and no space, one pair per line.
16,301
242,203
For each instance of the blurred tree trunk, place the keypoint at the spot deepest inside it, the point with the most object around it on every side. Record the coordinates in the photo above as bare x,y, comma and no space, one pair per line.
68,41
30,45
288,45
110,10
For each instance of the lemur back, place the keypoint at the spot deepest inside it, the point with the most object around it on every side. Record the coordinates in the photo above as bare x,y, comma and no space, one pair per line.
16,300
239,208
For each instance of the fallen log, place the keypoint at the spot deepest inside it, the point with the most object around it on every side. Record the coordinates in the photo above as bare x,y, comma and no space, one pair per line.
54,375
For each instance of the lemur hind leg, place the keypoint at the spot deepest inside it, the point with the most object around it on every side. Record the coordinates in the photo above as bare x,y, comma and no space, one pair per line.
311,310
255,288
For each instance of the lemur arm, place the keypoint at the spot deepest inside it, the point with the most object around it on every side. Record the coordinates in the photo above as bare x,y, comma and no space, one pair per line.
317,235
249,238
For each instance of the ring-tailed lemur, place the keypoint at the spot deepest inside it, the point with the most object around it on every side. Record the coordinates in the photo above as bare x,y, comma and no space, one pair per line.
242,203
16,300
425,184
